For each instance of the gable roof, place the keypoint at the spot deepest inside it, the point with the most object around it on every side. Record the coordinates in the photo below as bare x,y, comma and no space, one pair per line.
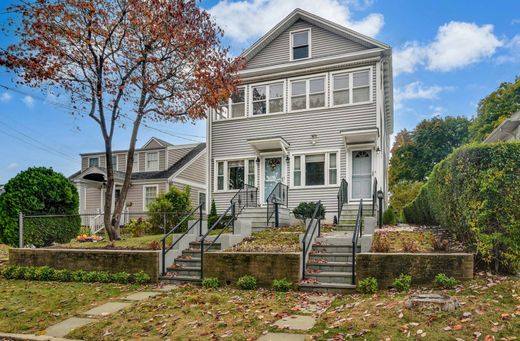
298,14
158,140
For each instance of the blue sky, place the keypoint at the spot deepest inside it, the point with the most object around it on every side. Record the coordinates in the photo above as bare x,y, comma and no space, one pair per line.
447,56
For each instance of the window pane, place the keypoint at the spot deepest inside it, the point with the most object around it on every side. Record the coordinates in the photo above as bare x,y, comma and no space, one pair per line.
297,171
301,52
298,88
275,90
317,85
251,173
221,168
258,93
341,97
238,110
276,105
297,178
360,95
93,162
259,108
236,174
332,160
298,103
341,82
297,162
239,96
360,78
317,101
220,183
300,38
333,176
315,170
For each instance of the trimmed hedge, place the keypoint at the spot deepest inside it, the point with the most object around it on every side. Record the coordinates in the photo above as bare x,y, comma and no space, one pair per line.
46,273
475,193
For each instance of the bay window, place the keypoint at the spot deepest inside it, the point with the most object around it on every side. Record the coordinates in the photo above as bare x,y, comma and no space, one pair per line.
234,174
308,93
316,169
267,99
351,87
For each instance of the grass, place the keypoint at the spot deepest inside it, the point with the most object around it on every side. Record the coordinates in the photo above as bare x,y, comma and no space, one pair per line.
192,313
151,242
4,252
30,307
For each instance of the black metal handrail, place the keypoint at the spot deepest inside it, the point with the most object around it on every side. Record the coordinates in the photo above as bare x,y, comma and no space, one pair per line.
278,196
245,197
309,228
358,230
342,196
374,196
166,235
231,221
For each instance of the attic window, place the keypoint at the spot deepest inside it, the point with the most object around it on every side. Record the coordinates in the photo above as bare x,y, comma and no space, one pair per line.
300,45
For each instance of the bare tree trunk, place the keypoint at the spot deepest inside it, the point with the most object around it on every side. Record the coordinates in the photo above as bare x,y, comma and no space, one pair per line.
109,192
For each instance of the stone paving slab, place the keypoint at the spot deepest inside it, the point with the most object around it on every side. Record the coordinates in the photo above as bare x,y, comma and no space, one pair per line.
65,327
31,337
140,296
282,337
296,322
108,308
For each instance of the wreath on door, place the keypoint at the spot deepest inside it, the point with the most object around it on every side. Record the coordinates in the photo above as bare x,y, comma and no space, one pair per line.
273,163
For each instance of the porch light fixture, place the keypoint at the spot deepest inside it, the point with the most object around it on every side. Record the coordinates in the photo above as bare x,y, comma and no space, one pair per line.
314,137
287,158
378,150
257,159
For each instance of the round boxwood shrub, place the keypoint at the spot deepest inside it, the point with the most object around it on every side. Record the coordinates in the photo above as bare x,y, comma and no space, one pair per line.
39,191
247,282
367,285
210,282
282,285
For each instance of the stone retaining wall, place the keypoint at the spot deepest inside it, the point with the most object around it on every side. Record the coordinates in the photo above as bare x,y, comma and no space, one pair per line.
421,266
130,261
229,266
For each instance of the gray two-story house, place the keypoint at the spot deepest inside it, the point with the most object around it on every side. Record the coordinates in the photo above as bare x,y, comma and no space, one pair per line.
314,109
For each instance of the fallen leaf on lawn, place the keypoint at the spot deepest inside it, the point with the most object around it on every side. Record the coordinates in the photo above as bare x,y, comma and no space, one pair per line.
457,327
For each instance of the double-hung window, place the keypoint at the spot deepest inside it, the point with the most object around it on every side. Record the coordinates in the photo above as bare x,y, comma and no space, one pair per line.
150,193
267,99
152,161
316,169
234,174
235,106
308,93
93,162
300,45
114,162
352,87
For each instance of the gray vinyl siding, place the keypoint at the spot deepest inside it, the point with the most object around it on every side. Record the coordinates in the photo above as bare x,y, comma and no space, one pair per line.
196,171
135,194
323,44
121,162
92,199
194,192
174,154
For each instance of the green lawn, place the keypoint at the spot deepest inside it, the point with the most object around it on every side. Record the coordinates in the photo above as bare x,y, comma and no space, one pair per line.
152,242
30,307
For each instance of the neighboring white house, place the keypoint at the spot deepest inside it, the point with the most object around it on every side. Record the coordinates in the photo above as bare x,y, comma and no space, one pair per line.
314,107
509,130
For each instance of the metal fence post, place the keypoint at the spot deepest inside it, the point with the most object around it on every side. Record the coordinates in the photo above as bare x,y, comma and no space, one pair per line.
276,216
164,222
20,230
200,221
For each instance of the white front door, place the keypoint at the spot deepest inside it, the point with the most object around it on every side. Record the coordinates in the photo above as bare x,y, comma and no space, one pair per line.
272,174
361,174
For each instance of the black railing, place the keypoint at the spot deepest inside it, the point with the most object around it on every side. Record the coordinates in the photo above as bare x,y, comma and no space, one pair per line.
358,231
225,220
342,196
374,196
278,196
245,197
165,249
309,233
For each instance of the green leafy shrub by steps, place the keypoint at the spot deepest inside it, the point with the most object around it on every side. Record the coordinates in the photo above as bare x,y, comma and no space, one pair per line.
443,281
367,285
403,283
474,194
170,207
247,282
138,227
46,273
305,210
389,217
39,191
282,285
403,193
210,282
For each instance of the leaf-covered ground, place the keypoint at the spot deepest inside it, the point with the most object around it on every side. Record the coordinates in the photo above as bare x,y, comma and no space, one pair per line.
417,238
150,242
270,240
30,306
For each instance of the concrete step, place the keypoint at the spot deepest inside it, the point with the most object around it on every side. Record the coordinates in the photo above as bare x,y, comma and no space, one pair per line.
183,272
330,266
194,254
332,257
196,246
345,228
331,277
189,263
332,248
170,279
328,287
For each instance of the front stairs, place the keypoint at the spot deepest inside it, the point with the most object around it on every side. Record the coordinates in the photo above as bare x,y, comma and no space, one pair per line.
347,220
186,268
329,267
258,217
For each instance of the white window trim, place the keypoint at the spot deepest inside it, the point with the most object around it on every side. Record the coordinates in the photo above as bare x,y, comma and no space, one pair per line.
229,107
115,166
145,209
350,72
136,163
226,179
267,84
350,150
302,155
146,161
94,157
307,92
291,44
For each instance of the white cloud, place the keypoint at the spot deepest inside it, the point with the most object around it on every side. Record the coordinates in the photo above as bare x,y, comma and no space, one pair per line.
12,165
513,51
247,19
457,44
417,90
5,97
29,101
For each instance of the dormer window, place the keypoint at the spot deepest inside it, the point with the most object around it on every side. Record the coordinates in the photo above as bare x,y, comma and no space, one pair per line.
300,42
152,161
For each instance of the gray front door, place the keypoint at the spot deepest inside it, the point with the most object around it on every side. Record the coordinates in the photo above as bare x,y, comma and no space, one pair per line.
272,174
361,174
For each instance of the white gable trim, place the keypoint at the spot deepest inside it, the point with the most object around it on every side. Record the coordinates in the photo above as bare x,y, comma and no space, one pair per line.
150,141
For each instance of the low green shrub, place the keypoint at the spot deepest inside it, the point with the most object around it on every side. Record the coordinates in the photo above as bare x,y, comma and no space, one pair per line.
247,282
403,282
305,210
282,285
389,217
46,273
443,281
138,227
367,285
210,282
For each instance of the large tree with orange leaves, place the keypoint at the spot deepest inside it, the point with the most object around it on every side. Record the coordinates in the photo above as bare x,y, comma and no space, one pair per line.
132,59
